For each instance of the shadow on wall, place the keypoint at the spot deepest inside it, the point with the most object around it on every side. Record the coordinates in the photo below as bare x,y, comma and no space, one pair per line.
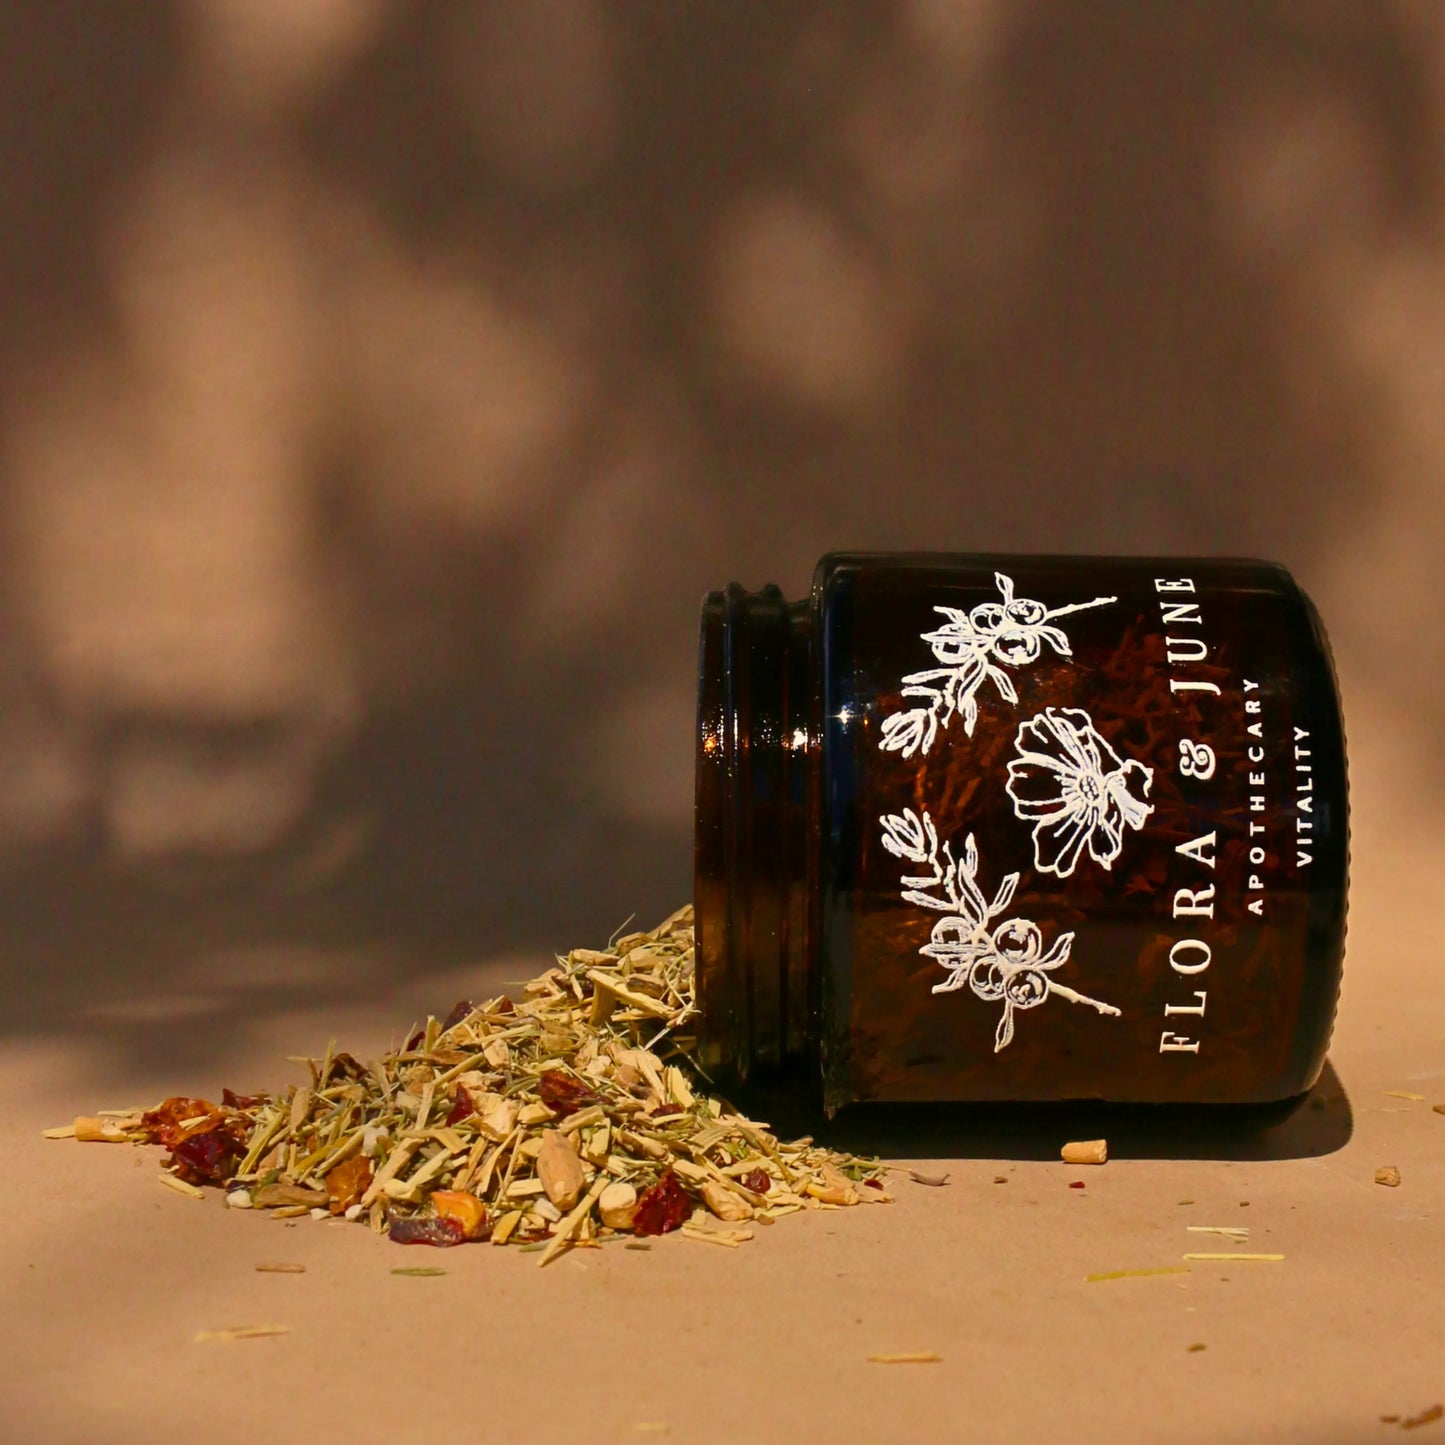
385,383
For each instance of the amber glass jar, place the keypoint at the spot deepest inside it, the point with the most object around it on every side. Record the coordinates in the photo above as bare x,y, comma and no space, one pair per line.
1020,828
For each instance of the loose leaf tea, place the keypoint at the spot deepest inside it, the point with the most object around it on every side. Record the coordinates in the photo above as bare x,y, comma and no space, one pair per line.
575,1115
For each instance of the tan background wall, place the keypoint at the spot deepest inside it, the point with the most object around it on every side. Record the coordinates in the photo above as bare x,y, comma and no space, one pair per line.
382,384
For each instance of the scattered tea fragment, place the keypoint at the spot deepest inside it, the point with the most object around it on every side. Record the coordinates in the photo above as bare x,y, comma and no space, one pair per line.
548,1123
933,1181
1195,1349
916,1357
241,1332
1086,1151
1401,1094
98,1131
419,1271
1135,1273
1228,1231
1434,1108
1388,1175
1266,1258
1425,1417
280,1269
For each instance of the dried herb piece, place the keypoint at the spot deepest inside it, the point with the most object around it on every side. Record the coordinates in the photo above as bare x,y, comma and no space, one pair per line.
563,1094
1135,1273
662,1208
347,1183
916,1357
439,1231
419,1271
241,1332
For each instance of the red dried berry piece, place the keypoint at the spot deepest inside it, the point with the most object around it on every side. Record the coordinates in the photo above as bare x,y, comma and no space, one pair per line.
345,1066
504,1005
662,1208
758,1180
462,1107
415,1041
874,1183
460,1010
240,1101
563,1094
1076,1184
440,1232
162,1124
207,1155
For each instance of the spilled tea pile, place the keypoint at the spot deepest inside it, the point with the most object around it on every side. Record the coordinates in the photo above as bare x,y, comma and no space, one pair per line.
574,1116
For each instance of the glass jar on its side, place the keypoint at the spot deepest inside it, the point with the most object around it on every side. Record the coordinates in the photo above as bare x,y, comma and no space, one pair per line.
1020,828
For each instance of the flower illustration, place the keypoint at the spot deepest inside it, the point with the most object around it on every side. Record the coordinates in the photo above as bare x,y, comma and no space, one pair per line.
975,647
999,962
1073,786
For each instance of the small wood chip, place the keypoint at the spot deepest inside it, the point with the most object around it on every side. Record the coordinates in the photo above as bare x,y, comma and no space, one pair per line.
280,1269
65,1131
1401,1094
933,1181
916,1357
242,1332
1086,1151
1388,1175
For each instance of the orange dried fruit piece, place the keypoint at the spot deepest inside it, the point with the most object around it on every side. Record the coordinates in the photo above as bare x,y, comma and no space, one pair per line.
347,1183
466,1209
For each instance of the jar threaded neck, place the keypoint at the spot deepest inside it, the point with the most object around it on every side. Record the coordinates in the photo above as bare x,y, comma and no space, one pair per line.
756,801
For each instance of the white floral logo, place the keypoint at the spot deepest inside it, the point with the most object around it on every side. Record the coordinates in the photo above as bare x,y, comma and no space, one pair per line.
1003,962
1072,785
975,647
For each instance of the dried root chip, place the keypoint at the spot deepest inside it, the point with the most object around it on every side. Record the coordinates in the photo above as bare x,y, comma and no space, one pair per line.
93,1131
1086,1151
560,1170
728,1206
617,1206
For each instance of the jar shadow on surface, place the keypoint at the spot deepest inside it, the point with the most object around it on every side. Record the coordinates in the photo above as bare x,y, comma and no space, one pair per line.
1308,1127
